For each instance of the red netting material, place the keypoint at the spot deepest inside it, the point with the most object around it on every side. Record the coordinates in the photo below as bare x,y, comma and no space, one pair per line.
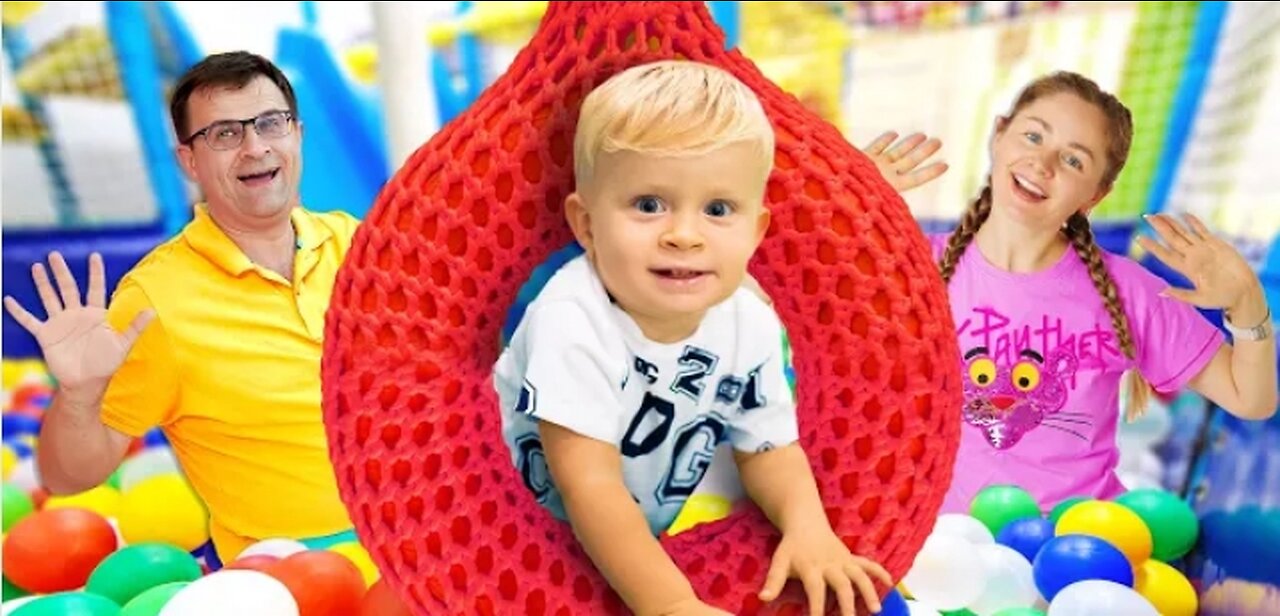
413,332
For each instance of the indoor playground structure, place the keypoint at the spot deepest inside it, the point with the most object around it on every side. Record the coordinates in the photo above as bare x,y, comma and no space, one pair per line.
89,167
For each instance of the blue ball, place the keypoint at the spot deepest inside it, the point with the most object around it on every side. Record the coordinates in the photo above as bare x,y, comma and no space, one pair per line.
1026,536
894,604
14,425
1068,559
154,438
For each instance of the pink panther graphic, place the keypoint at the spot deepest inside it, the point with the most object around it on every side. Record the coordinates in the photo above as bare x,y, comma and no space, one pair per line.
1006,402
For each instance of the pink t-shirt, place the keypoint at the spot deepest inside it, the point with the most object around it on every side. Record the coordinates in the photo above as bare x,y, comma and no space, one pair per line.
1042,371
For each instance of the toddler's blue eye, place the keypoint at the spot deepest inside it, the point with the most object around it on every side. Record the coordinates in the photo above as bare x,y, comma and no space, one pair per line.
648,205
1033,137
719,208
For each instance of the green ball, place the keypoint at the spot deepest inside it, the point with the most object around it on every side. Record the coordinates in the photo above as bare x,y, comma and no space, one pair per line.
996,506
959,612
69,604
1063,506
17,505
1174,526
152,601
11,591
1019,611
135,569
114,479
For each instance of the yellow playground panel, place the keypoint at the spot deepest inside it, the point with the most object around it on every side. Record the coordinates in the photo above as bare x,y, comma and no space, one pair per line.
802,47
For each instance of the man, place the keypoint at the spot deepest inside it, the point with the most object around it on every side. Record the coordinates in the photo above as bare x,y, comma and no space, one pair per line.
216,334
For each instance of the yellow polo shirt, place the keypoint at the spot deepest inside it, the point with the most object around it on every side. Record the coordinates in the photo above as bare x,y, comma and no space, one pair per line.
230,370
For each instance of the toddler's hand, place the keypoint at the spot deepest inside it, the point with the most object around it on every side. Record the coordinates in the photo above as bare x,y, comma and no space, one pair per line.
819,558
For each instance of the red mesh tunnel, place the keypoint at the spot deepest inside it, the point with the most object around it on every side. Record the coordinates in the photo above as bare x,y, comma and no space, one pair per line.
413,333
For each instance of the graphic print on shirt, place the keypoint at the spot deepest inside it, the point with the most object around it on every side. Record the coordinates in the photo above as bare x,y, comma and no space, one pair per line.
1018,378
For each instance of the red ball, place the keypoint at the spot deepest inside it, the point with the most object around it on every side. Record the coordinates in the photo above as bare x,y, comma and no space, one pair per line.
257,562
56,549
381,600
324,583
35,395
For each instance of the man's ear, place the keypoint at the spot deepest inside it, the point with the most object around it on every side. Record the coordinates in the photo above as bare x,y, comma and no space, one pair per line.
187,160
579,218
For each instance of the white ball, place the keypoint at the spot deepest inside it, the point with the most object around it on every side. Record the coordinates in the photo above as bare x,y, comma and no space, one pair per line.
242,592
280,548
965,527
946,574
1094,597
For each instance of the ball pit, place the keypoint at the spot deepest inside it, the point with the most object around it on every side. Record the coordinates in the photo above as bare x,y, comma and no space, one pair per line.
137,544
1086,556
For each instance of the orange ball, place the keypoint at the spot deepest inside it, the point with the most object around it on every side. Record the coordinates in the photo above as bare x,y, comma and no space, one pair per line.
323,583
56,549
381,600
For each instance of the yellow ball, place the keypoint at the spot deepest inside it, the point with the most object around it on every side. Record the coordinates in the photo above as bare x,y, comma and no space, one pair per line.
358,555
103,500
1167,589
698,509
164,509
1111,522
8,460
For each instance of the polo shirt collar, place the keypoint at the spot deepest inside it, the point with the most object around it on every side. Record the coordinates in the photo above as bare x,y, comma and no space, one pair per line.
210,241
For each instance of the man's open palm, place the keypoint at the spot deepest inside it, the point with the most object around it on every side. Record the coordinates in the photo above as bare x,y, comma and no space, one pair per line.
79,345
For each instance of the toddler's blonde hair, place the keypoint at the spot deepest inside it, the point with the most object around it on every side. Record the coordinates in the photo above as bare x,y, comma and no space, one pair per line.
670,108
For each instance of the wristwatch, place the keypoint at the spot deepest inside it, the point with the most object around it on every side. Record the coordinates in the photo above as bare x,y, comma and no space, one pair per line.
1261,331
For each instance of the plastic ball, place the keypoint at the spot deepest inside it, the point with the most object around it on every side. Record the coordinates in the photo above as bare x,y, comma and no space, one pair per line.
278,547
1055,514
1167,589
233,591
164,509
323,583
146,464
1094,597
1115,523
155,438
360,557
69,604
135,569
1174,526
946,573
56,550
9,607
8,460
21,447
1067,559
103,500
152,601
1026,536
894,605
15,425
255,562
26,476
700,509
1010,580
16,505
1020,611
965,527
11,591
381,600
997,506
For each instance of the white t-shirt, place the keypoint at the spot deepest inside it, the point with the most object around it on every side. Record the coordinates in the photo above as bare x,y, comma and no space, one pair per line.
578,360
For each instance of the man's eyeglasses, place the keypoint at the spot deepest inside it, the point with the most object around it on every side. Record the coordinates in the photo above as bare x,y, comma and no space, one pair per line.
229,134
